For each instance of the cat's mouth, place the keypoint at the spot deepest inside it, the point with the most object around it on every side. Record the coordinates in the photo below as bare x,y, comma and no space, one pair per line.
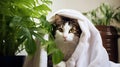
65,40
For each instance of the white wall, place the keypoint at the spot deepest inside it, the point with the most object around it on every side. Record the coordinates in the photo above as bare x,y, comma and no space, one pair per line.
83,6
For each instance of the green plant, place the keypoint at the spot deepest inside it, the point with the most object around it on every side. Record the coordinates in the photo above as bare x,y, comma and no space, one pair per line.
103,15
23,21
116,14
17,24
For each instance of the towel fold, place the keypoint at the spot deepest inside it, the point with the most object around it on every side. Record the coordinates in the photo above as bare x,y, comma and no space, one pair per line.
89,51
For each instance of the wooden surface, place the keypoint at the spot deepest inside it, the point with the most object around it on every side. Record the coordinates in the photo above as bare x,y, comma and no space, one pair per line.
110,37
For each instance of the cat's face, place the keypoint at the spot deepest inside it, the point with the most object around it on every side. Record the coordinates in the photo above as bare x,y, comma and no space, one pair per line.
66,29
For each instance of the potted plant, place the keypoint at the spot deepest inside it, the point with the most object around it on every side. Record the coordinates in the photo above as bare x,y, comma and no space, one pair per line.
21,23
102,17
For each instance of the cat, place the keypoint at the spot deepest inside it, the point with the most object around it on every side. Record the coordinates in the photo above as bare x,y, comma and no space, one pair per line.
66,32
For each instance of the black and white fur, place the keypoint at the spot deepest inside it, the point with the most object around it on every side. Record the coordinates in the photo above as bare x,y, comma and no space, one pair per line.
67,33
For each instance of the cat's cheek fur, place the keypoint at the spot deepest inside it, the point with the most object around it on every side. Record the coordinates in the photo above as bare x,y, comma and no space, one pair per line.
59,36
58,32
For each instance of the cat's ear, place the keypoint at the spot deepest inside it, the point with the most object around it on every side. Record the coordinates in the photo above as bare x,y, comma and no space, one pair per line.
58,18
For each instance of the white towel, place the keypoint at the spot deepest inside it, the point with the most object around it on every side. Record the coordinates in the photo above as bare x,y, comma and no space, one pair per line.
90,51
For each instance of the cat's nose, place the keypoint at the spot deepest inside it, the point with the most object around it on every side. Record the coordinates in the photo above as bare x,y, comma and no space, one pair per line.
64,37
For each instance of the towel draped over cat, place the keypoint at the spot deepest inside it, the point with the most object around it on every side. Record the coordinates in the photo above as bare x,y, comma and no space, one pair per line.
89,51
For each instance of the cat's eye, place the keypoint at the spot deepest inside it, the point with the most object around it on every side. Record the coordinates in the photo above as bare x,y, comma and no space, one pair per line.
60,29
71,31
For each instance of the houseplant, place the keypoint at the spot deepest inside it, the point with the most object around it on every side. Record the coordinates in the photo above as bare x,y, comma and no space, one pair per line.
102,17
116,16
18,25
23,21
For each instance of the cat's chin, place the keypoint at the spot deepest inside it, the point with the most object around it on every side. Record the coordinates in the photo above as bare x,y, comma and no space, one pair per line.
67,41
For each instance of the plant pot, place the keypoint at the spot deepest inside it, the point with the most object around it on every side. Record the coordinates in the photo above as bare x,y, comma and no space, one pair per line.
11,61
109,37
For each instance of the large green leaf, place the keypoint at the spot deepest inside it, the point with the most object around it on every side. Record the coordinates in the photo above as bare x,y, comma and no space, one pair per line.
30,46
47,1
57,56
42,7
